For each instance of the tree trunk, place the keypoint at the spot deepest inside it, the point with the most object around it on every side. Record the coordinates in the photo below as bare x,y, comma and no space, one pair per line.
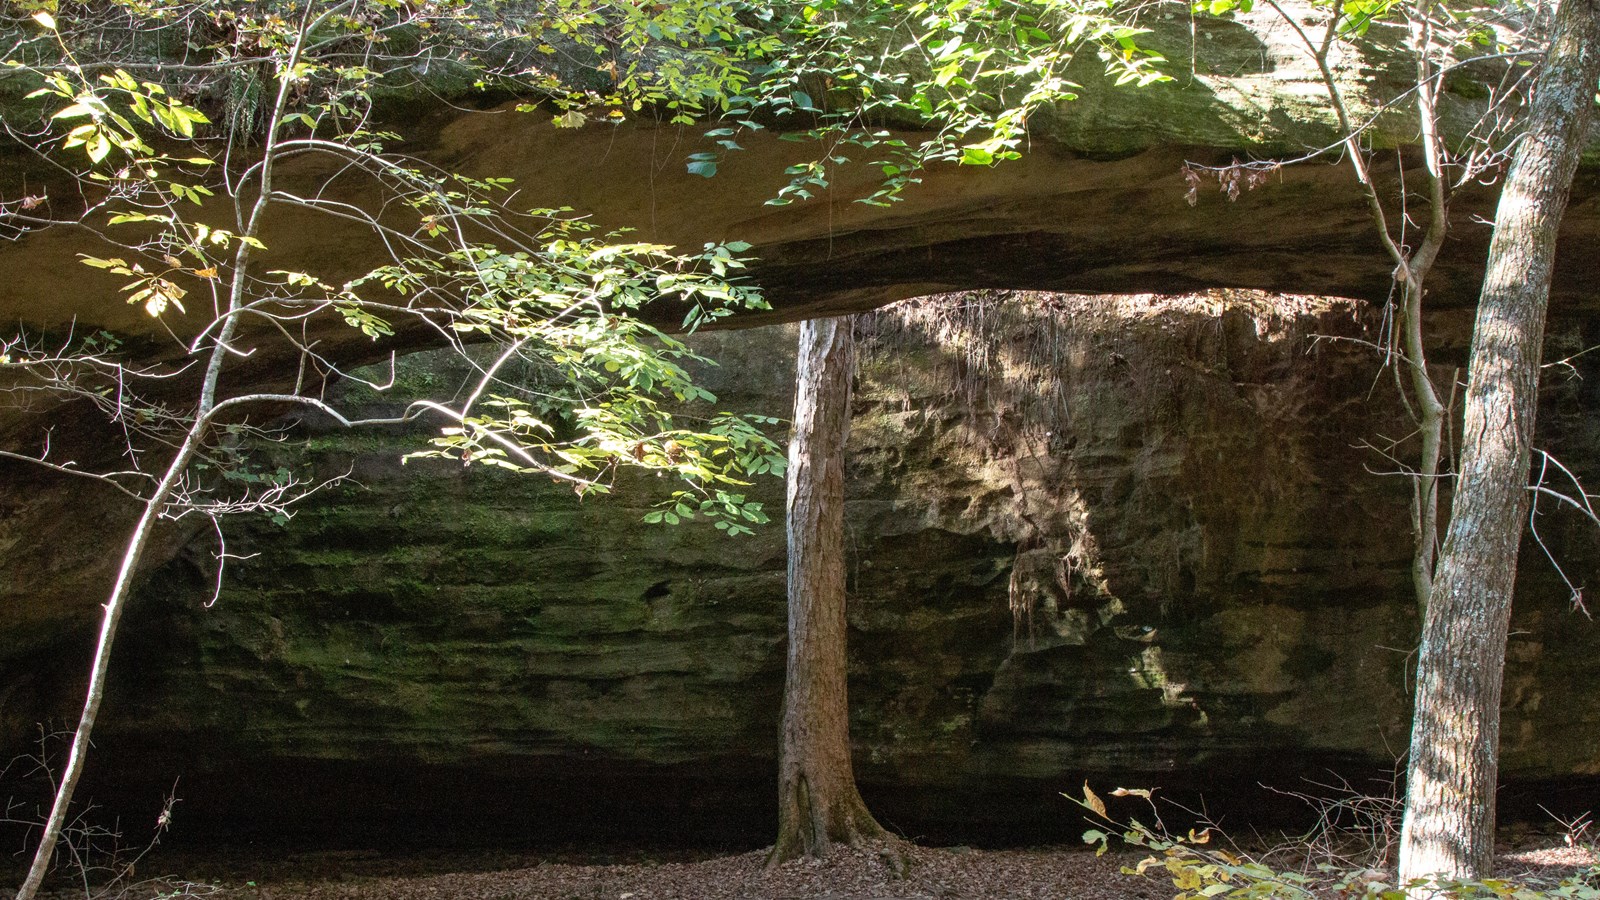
77,757
818,804
1450,800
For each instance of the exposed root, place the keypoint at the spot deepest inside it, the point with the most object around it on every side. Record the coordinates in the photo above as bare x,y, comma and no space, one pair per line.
895,855
811,830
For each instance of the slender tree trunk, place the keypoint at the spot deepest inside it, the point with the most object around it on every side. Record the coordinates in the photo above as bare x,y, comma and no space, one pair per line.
1429,412
818,803
1417,389
1430,417
1450,801
132,553
133,550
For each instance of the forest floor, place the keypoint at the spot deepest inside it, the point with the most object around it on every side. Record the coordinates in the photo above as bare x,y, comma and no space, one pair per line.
1065,873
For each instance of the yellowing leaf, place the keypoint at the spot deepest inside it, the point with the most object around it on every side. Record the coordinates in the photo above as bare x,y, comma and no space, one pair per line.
45,19
207,272
1093,801
1184,877
158,296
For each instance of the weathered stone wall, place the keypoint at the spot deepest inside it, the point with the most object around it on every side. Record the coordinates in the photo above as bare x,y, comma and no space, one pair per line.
1135,540
1098,204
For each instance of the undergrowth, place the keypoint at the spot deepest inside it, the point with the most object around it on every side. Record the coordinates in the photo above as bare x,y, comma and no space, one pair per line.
1343,858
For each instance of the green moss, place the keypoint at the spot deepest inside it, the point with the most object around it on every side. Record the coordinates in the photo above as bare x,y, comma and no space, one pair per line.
453,614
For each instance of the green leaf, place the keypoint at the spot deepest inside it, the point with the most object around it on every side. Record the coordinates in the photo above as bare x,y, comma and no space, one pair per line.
98,148
74,111
703,164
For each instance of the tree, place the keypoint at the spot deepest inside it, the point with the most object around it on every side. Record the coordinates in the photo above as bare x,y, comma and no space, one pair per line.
974,73
1441,38
187,225
818,803
1453,765
1464,594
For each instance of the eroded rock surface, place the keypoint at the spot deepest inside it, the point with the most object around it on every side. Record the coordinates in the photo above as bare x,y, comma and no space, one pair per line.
1097,204
1135,540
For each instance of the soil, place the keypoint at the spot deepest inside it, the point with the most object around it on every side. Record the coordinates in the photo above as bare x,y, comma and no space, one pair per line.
957,873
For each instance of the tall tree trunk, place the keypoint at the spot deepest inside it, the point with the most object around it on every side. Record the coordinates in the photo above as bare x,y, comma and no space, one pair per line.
1450,800
818,804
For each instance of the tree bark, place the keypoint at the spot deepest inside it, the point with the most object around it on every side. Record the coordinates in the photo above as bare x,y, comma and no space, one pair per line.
818,803
1450,801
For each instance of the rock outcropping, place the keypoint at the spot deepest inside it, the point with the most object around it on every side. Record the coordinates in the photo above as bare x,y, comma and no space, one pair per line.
1098,204
1137,540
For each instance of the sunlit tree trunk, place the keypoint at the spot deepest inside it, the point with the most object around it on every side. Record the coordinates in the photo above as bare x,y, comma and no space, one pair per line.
77,757
818,803
1450,801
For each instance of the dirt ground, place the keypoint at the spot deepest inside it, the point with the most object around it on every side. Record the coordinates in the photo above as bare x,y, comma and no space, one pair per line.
1062,873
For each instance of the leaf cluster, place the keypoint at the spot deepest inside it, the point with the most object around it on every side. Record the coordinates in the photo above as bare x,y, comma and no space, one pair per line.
1198,869
968,73
594,389
582,387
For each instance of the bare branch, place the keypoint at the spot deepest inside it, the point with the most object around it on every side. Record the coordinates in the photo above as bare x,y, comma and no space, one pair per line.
108,478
